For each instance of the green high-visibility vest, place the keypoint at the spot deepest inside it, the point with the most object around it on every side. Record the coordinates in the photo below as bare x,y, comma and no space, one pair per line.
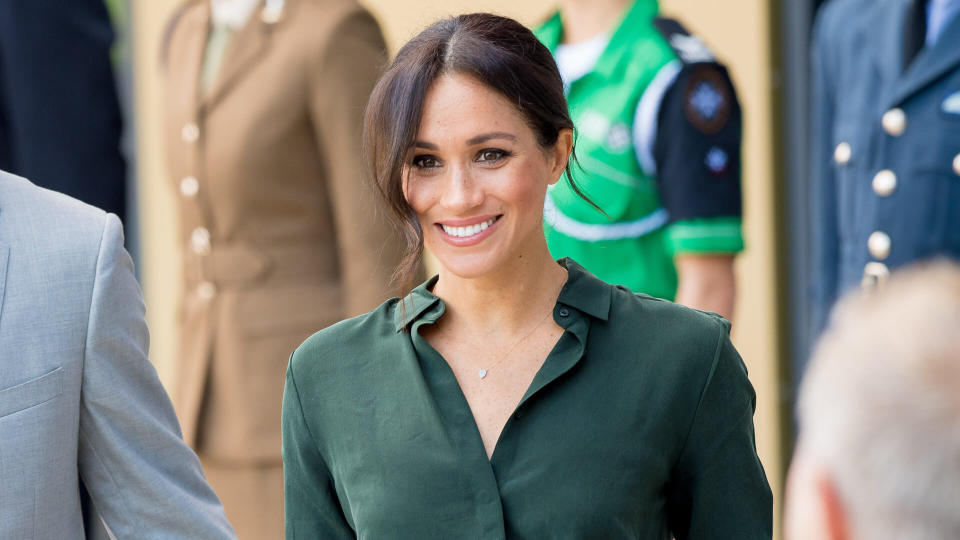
630,246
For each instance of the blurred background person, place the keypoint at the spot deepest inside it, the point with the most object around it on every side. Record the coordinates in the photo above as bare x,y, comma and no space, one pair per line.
885,141
878,454
264,105
60,122
658,140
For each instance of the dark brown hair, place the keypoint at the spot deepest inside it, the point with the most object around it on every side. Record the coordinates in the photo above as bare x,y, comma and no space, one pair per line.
497,51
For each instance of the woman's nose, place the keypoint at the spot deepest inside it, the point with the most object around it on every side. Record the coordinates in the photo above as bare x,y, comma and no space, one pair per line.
461,192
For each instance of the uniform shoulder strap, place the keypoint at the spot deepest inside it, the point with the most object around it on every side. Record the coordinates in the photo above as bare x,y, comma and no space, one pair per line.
688,47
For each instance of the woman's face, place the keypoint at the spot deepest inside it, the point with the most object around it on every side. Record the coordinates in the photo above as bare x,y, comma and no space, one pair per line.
477,177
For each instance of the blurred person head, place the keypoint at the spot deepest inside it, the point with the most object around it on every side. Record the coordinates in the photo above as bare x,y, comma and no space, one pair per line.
878,453
469,75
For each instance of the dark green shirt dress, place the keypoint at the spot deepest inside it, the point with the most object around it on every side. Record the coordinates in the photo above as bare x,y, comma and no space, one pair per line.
638,425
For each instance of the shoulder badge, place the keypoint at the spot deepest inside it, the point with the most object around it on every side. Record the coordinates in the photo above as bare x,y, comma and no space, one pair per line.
690,48
706,99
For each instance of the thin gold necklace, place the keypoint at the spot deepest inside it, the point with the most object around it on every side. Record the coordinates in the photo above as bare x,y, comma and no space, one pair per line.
483,371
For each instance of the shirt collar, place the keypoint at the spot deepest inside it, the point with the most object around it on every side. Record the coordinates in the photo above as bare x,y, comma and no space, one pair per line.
583,291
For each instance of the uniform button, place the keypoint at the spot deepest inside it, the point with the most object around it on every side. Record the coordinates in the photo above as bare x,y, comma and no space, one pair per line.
189,186
206,290
956,164
874,274
564,312
200,240
842,153
879,245
884,183
190,132
894,121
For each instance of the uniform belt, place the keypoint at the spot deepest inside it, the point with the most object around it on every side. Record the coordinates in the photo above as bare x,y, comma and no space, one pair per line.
239,265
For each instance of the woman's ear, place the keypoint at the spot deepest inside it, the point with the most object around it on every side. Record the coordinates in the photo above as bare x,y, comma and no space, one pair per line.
561,154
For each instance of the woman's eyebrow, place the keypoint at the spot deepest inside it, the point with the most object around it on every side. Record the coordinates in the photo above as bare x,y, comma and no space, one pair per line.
493,135
426,145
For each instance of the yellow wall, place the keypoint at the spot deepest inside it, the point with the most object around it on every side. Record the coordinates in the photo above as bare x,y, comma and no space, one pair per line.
738,31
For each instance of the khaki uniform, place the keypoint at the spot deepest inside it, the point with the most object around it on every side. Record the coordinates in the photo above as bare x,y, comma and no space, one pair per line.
280,230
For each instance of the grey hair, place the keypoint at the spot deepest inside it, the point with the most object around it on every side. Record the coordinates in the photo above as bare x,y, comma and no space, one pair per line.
880,406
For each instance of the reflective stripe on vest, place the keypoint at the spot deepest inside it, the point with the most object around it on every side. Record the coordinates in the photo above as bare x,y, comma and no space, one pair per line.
590,232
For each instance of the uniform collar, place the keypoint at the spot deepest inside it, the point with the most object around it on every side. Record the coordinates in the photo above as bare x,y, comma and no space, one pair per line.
583,292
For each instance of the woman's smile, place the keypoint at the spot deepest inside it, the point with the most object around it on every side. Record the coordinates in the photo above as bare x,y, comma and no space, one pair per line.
467,232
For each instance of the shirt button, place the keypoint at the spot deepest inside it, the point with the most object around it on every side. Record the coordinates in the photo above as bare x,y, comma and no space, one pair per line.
206,290
884,183
200,241
842,153
190,132
564,312
189,186
879,245
956,164
894,122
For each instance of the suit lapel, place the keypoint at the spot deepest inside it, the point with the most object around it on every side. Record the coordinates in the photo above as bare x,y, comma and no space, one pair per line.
247,48
890,21
193,51
931,63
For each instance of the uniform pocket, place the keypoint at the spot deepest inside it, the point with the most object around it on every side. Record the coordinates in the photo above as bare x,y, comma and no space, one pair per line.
31,393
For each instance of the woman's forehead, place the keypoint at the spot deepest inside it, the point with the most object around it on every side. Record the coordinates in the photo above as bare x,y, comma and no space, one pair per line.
461,106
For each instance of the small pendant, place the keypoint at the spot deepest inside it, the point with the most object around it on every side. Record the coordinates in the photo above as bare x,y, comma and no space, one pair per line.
482,373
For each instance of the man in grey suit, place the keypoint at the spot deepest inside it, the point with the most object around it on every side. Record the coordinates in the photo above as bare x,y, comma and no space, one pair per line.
79,402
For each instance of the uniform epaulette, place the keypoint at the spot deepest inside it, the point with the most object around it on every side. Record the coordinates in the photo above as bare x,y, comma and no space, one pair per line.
689,48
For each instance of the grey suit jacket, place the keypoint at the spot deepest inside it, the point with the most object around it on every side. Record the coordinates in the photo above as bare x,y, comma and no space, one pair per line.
78,399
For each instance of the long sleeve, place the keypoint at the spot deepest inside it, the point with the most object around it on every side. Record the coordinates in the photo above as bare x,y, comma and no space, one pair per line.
143,480
311,509
345,74
825,239
718,488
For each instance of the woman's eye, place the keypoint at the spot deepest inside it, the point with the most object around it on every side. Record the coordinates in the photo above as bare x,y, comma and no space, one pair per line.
425,162
490,155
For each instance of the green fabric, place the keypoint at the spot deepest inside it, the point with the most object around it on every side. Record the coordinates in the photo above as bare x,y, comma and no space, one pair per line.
706,235
638,425
603,104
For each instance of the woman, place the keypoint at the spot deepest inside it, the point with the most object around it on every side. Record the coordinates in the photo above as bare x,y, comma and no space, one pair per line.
264,103
509,396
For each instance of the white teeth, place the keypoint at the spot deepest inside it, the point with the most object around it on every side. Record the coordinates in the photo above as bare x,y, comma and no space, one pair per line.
469,230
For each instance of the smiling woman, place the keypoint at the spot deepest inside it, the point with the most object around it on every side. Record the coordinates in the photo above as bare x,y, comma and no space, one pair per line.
511,395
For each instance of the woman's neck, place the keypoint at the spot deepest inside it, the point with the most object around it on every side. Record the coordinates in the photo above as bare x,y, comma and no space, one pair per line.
504,301
585,19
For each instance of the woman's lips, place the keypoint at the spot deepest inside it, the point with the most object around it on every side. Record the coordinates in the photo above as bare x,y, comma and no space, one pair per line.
469,231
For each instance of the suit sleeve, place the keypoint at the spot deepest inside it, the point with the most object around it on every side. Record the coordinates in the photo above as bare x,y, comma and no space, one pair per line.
143,480
718,488
369,246
825,240
311,507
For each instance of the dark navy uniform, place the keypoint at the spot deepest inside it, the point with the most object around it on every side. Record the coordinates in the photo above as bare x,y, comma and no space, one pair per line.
886,144
60,121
